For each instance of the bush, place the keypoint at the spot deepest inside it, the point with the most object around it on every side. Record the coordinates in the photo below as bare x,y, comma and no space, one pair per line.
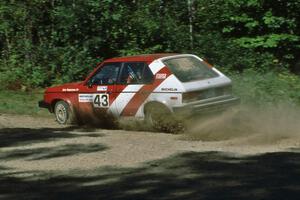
266,88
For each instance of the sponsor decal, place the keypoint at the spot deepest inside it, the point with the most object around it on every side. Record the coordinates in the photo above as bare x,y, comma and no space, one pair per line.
84,98
102,88
161,76
70,89
101,100
169,89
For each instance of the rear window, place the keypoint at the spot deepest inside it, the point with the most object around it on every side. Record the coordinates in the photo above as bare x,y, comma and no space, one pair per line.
190,69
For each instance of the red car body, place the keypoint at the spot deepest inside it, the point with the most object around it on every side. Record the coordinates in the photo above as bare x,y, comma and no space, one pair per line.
119,98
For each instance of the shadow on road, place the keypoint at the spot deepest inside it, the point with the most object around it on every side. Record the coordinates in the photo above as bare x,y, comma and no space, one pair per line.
52,152
22,136
209,175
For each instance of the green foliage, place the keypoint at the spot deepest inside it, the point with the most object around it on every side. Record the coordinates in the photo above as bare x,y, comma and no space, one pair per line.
266,41
253,29
44,42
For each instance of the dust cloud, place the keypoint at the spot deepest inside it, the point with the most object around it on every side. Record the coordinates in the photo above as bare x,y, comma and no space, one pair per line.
264,125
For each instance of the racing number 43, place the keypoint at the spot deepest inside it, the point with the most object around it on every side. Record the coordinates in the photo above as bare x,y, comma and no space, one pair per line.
101,100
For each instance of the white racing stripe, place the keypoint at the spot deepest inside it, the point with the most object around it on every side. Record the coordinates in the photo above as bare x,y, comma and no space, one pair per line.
122,100
155,66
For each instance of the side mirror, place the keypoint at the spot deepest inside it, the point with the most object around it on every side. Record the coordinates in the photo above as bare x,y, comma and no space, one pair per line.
90,83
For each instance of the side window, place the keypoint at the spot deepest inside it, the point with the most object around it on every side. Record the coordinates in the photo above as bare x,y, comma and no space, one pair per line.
107,74
147,75
136,73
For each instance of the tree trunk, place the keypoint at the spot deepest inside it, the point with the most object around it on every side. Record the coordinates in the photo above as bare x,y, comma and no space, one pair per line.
191,18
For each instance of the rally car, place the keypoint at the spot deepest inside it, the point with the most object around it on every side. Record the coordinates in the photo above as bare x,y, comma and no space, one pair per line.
150,87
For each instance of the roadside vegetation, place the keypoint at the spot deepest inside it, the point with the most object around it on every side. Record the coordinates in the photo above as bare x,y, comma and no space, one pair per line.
47,42
266,89
21,102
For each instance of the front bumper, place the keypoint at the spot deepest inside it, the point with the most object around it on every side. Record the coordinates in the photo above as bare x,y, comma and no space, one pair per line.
214,104
43,104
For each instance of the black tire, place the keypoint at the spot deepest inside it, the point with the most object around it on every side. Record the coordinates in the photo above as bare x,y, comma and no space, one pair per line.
63,113
160,118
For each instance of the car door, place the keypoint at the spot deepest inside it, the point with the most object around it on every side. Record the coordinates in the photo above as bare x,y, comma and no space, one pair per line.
97,99
133,79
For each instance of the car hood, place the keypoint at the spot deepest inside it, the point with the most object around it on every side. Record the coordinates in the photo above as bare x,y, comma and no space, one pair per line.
68,87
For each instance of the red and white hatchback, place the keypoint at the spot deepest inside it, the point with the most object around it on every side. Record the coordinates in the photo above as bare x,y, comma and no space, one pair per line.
146,86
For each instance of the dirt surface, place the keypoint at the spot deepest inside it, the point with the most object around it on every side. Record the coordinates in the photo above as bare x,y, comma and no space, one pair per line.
39,154
110,147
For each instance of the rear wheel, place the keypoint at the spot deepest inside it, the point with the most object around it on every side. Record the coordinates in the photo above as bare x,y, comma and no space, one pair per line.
63,113
161,118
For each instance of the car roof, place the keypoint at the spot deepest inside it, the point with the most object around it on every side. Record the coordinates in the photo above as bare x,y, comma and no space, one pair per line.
141,58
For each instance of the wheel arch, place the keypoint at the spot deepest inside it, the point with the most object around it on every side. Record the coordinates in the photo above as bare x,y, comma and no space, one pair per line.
155,103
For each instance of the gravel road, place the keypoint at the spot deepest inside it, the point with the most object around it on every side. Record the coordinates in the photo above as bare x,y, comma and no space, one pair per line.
34,138
38,156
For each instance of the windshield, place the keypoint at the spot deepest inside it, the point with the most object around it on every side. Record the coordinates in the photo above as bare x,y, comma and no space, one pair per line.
190,68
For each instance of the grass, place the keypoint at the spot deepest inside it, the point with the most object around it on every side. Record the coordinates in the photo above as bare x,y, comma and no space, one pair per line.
270,88
19,102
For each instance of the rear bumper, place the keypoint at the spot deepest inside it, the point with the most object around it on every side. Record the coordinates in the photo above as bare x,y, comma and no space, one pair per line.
214,104
43,104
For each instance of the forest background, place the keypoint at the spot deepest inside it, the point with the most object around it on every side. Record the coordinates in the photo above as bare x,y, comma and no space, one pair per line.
256,42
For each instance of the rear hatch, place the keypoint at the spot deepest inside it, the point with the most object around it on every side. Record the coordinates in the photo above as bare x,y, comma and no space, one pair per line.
200,80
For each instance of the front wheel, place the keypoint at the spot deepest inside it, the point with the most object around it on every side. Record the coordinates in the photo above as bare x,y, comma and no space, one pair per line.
63,113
